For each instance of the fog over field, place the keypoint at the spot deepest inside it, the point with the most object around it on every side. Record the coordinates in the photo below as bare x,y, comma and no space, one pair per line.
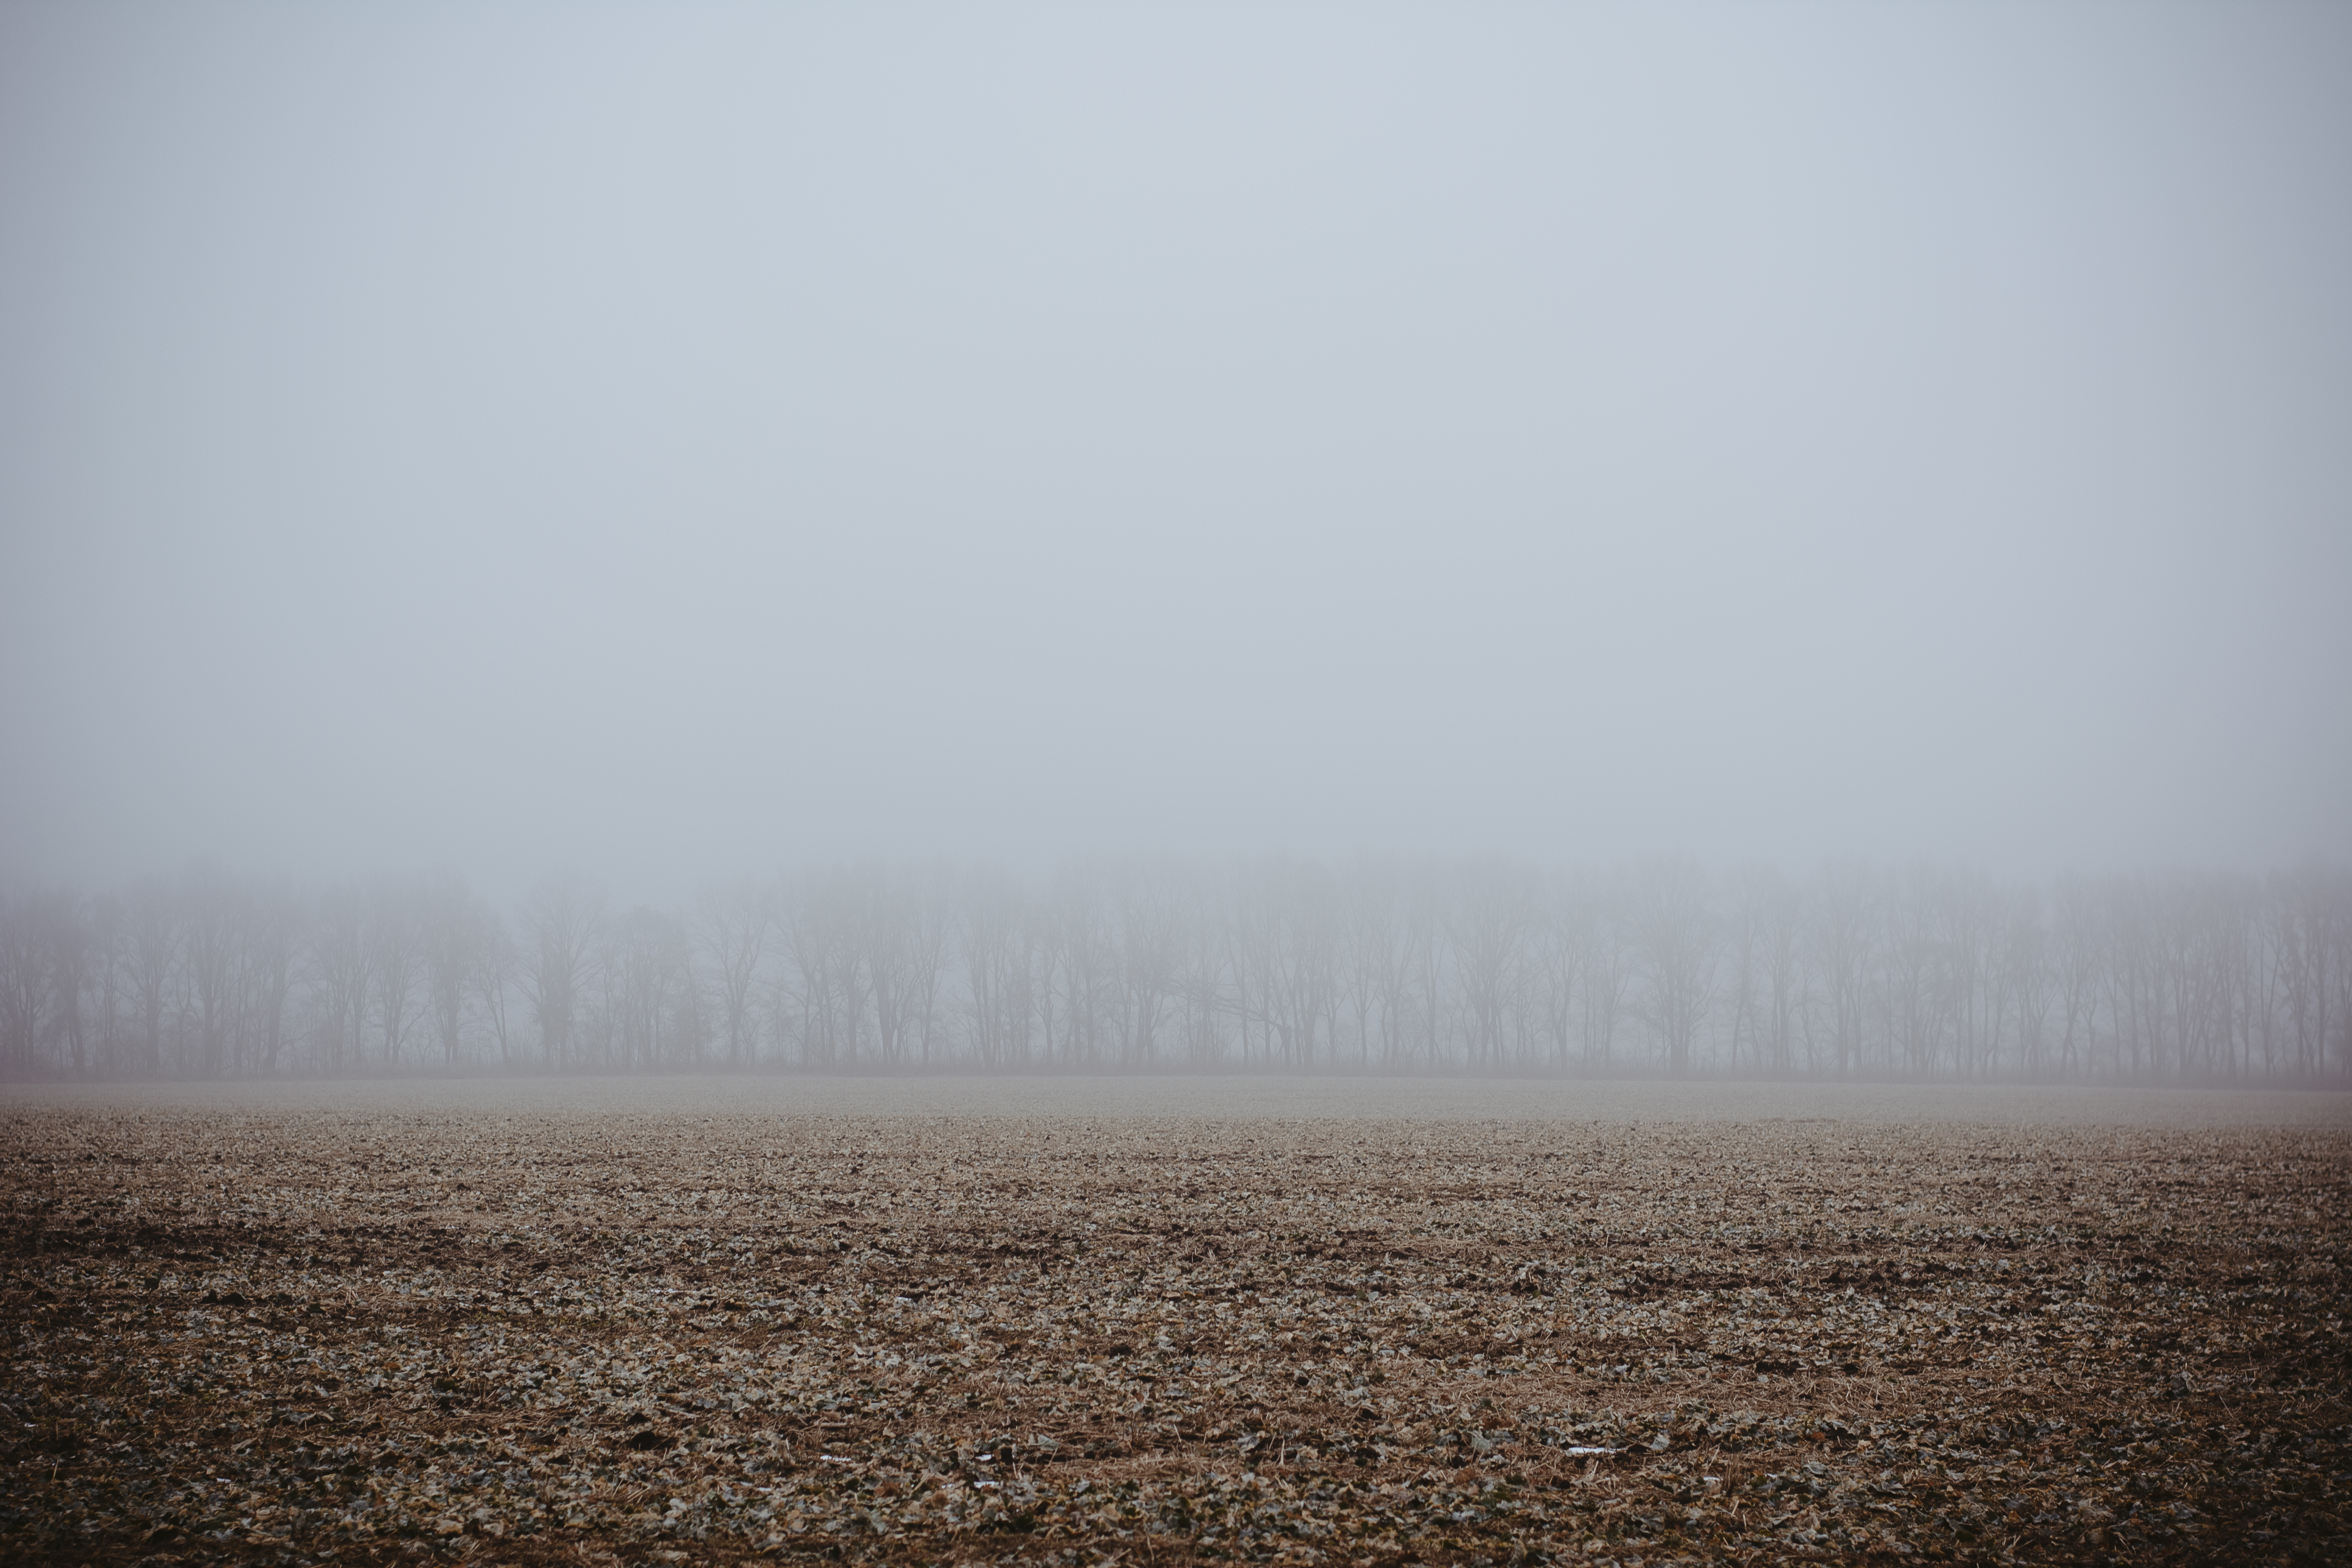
1373,537
1278,966
1286,1101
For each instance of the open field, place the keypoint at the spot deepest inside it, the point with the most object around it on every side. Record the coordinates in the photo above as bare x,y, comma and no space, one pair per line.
709,1320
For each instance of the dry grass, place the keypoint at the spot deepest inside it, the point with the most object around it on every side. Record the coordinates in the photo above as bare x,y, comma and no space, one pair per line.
378,1331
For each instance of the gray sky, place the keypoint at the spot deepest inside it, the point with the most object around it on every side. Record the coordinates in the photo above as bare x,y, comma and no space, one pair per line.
675,441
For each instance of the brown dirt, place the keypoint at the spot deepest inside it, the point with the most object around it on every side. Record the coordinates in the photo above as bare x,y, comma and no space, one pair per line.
387,1333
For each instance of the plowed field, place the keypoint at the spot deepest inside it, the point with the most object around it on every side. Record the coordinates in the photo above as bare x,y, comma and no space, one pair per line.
381,1332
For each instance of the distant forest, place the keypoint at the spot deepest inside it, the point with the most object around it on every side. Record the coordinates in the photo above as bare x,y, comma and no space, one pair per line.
1657,968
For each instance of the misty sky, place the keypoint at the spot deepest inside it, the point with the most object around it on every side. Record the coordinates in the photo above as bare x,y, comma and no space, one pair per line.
674,441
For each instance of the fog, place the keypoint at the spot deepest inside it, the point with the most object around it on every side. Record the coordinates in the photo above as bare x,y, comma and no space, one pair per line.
678,444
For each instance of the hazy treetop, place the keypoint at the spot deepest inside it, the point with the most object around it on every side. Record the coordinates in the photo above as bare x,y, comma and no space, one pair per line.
676,440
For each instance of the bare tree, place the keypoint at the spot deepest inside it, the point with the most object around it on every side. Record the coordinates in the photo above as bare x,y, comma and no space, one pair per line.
273,937
561,923
1201,991
649,1015
1678,954
1249,934
1492,915
396,931
1371,934
211,925
2079,956
2314,934
494,969
1149,933
24,985
1087,955
454,931
830,983
1754,892
934,936
2186,976
1970,931
343,959
1596,913
1781,913
1299,970
151,955
1390,931
732,926
996,964
885,931
50,955
1843,952
2028,979
1913,975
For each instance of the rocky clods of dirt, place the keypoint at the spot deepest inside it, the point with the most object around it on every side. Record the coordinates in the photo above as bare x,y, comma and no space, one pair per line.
306,1336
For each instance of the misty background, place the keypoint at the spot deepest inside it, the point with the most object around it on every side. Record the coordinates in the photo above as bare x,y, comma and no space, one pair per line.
680,444
1483,966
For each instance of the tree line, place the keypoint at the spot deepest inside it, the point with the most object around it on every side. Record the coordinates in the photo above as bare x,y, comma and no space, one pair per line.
1658,967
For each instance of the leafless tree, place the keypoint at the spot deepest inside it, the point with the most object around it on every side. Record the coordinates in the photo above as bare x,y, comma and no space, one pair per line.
272,943
562,921
396,931
210,926
1842,947
732,926
888,930
455,931
1968,925
24,983
1086,958
1394,928
1594,912
1492,915
928,956
2314,930
826,1000
1755,892
2028,978
1678,954
2179,975
1782,914
1300,970
1201,992
647,1013
2077,943
495,966
1914,989
342,958
1249,930
998,961
49,955
1149,933
151,954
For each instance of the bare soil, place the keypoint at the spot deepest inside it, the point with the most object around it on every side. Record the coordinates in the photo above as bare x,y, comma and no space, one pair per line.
404,1324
